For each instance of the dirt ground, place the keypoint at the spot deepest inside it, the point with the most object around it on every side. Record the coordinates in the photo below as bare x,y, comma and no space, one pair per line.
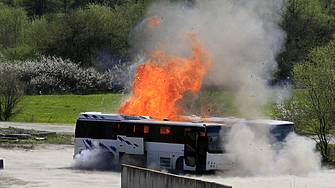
51,166
46,165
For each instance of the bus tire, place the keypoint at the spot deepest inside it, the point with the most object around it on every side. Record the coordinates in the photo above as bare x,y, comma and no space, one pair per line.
180,164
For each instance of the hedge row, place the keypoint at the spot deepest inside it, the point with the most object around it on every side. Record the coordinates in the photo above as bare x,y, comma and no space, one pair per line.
46,75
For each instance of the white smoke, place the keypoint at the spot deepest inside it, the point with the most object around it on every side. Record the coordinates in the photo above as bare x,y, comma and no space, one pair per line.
94,159
255,156
243,36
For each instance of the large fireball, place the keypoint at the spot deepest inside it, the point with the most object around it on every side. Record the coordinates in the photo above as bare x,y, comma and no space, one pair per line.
162,80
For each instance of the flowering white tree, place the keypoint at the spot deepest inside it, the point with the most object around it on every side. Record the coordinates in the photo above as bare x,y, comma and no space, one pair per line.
45,75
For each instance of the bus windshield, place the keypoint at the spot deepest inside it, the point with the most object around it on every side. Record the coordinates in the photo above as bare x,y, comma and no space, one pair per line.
216,137
280,132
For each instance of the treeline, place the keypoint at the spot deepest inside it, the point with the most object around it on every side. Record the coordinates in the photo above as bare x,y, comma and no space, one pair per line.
68,46
308,24
92,33
70,29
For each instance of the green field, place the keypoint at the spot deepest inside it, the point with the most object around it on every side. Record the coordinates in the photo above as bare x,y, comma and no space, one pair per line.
64,108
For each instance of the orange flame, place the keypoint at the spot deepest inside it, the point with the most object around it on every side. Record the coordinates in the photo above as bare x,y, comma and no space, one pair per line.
163,79
154,21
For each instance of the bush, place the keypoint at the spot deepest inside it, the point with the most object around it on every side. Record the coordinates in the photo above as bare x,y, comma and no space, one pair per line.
46,75
82,34
11,92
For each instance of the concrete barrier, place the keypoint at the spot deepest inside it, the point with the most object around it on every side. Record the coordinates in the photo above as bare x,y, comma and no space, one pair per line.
136,177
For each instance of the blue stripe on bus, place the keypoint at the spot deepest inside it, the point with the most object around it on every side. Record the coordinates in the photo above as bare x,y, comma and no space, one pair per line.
89,142
113,148
103,146
85,144
120,138
128,142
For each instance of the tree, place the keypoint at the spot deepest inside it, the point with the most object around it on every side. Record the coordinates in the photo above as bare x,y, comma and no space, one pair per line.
13,22
82,34
40,7
11,93
110,3
316,78
308,25
11,3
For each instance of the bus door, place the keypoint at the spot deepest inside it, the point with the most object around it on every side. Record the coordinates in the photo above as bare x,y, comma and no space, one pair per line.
190,150
201,150
195,150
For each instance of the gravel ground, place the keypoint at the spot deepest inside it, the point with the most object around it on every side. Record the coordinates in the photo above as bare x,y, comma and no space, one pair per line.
52,166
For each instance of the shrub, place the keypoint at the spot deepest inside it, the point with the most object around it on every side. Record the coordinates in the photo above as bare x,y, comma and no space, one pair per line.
11,92
46,75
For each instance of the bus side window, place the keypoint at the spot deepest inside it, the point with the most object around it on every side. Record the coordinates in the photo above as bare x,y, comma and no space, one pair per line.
97,130
139,131
166,134
147,133
165,130
146,129
83,129
131,130
88,129
121,129
109,130
179,135
135,130
186,129
79,133
154,135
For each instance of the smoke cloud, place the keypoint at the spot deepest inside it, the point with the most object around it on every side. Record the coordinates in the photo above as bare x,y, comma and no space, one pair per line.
255,156
244,36
95,159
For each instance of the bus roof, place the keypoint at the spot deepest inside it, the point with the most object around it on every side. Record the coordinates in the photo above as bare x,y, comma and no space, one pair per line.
140,119
269,121
233,120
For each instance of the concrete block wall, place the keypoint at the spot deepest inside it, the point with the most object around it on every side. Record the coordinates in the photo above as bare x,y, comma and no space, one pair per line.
136,177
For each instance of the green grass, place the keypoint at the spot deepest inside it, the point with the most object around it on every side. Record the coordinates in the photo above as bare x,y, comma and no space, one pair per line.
64,108
209,103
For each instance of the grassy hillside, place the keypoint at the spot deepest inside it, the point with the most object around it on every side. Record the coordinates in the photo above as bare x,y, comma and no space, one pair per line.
65,108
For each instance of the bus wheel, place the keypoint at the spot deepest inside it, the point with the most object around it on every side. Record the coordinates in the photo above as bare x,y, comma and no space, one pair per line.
180,164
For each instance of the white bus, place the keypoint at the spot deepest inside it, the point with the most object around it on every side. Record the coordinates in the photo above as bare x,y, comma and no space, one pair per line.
143,141
276,130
